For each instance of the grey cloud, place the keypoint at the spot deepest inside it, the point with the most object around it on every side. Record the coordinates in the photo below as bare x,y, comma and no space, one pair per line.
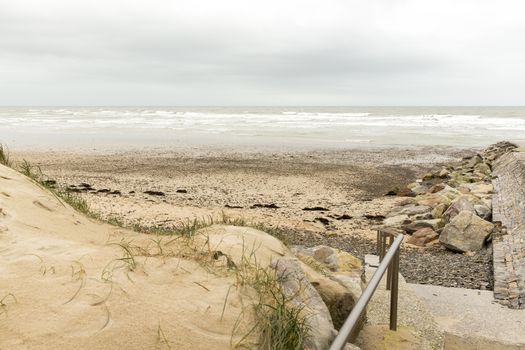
337,52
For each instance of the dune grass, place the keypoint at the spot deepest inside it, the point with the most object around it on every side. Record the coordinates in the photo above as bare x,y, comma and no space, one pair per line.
4,156
35,173
279,323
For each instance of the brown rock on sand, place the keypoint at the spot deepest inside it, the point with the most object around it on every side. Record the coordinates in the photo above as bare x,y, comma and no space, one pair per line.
422,237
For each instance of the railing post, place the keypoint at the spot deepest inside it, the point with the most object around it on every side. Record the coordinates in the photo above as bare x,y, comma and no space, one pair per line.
391,257
394,267
389,271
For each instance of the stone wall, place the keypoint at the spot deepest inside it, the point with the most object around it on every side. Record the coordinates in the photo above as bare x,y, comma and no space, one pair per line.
509,246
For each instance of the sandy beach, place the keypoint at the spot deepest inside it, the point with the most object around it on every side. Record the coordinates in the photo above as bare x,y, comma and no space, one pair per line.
316,197
329,192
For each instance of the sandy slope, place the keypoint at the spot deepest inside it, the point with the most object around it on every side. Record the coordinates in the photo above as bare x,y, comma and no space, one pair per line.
45,247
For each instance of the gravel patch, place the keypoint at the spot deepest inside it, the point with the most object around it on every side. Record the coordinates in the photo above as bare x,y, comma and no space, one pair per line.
434,265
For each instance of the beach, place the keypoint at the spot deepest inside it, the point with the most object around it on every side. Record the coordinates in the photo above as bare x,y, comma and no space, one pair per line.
331,197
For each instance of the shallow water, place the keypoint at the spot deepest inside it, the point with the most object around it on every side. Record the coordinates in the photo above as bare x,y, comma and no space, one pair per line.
274,127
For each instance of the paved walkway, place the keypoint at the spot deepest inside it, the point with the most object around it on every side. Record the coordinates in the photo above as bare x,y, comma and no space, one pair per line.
472,320
417,328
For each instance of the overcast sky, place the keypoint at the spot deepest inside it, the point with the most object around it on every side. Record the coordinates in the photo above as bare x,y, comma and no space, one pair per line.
283,52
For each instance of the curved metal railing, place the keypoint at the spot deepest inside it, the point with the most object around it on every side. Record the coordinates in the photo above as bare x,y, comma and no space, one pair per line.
389,259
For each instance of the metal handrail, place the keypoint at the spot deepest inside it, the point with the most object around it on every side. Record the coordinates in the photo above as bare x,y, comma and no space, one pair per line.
389,261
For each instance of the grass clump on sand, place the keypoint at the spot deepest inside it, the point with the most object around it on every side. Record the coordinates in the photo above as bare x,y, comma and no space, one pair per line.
73,199
4,156
279,323
35,173
281,326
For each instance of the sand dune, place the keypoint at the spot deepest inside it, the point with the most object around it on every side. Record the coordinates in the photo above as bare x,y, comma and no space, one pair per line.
67,281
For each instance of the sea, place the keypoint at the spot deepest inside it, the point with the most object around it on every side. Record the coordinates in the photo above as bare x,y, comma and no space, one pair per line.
92,128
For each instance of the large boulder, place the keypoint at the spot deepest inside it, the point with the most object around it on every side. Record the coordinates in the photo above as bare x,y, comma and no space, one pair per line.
459,205
337,276
466,232
302,295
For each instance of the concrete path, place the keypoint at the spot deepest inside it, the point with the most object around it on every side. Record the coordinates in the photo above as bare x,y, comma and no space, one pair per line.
471,319
417,328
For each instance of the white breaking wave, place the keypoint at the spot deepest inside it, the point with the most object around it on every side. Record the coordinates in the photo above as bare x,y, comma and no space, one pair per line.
379,126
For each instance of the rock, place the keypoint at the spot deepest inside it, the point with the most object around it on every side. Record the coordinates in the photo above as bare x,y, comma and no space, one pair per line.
433,200
396,221
324,221
483,211
436,188
419,189
466,232
459,205
153,193
425,216
434,224
181,190
377,218
422,237
305,297
471,162
339,297
482,168
474,199
315,209
464,189
410,210
350,346
335,265
407,201
412,185
405,192
50,183
427,177
444,173
415,209
449,192
266,206
334,259
401,192
481,188
437,212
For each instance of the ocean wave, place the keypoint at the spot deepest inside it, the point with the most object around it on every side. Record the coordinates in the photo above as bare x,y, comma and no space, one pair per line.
336,126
